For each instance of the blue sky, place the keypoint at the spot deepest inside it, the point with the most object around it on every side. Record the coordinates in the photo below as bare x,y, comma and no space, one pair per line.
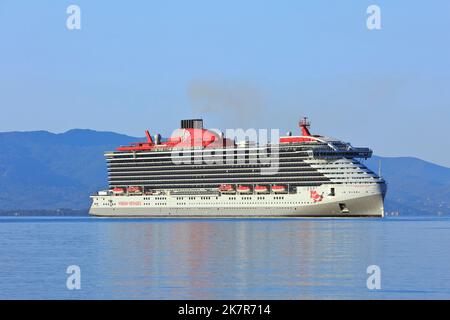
146,64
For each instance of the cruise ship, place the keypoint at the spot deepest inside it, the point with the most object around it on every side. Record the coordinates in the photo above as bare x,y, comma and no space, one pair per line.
204,173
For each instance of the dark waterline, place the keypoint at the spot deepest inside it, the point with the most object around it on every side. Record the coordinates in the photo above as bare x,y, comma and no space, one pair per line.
224,258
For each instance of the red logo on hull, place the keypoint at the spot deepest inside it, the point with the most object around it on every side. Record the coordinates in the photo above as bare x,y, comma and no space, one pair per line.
315,196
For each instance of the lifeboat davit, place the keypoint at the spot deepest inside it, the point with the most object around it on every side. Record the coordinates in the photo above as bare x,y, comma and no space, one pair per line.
261,189
134,189
244,189
279,189
118,190
226,188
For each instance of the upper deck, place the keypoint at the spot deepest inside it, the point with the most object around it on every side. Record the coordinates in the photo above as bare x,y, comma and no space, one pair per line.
192,136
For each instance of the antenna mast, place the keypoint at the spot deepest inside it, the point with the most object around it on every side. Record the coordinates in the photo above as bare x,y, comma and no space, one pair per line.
379,168
304,125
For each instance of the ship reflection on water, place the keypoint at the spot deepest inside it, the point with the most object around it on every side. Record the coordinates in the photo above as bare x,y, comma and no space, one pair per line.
217,259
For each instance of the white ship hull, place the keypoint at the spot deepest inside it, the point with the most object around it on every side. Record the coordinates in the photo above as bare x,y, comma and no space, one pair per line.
348,201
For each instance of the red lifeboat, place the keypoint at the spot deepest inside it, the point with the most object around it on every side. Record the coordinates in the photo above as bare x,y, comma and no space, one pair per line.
261,189
244,189
226,188
118,190
134,189
279,189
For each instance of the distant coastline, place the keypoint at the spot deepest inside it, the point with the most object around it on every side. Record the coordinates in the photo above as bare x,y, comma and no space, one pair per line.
44,213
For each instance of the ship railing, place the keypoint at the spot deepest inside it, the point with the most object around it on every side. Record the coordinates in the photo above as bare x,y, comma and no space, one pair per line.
335,154
205,192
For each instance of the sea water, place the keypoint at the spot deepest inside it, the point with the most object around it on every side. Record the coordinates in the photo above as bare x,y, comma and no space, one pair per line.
224,258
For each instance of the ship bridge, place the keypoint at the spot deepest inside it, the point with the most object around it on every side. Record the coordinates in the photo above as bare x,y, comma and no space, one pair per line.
322,147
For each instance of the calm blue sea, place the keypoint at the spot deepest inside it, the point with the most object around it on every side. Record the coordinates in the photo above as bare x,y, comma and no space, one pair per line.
224,258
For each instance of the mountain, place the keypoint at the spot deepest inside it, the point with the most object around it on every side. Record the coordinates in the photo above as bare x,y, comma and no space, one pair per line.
42,171
415,186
